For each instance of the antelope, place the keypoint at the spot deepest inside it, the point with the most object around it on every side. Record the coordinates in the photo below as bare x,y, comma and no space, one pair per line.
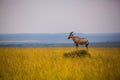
78,40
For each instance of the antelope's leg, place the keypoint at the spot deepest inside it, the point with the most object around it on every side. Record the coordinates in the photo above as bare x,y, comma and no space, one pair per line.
86,45
76,46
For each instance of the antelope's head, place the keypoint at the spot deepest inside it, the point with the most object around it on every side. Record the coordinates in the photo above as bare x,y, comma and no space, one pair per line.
70,35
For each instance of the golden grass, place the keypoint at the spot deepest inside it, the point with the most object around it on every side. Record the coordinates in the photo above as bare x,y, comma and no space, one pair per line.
50,64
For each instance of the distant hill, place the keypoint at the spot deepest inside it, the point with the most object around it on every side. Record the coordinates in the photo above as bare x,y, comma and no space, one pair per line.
57,38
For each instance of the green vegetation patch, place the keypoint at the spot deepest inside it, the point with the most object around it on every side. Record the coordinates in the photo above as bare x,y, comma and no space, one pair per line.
77,53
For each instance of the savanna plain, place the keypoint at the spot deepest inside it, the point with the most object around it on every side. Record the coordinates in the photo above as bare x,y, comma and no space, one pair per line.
59,63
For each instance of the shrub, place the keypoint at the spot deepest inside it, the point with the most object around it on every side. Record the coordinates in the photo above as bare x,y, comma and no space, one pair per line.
76,53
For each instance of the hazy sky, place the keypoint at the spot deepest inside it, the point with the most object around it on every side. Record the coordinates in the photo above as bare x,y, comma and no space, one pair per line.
59,16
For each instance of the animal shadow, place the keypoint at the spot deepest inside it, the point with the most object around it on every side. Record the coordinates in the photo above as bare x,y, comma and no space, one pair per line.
77,53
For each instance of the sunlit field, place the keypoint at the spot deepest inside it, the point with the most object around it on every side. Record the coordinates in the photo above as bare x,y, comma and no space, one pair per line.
52,64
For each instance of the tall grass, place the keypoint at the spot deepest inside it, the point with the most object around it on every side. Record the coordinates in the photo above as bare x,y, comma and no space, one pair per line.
51,64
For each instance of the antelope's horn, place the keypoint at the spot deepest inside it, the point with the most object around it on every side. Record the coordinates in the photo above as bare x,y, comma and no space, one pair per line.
71,33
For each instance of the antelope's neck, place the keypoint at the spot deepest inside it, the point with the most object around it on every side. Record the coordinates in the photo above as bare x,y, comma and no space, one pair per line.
73,38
